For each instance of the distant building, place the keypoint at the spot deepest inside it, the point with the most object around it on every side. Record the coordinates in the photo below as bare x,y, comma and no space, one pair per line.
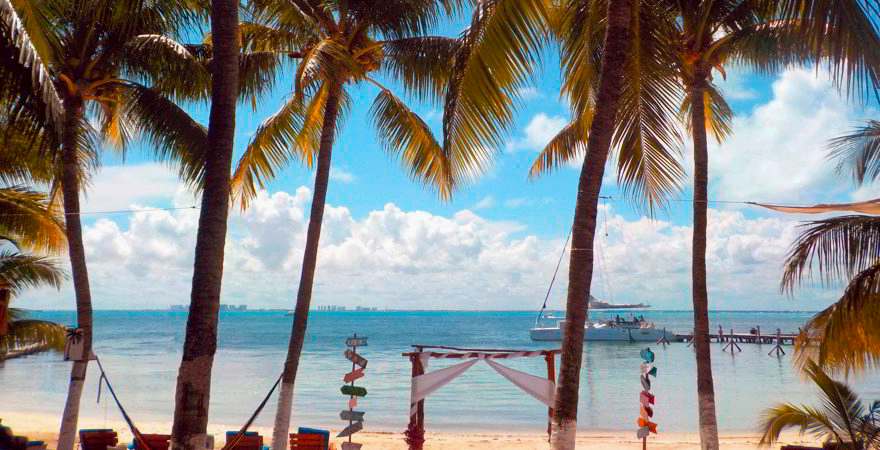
223,308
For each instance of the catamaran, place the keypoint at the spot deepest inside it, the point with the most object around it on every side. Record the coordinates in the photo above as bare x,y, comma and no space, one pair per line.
636,329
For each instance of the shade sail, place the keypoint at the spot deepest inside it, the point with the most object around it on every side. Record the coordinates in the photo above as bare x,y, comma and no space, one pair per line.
865,207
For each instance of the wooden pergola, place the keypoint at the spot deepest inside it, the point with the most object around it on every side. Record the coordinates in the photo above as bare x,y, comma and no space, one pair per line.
415,432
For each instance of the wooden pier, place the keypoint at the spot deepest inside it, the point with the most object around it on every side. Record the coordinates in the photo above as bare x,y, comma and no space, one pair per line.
753,337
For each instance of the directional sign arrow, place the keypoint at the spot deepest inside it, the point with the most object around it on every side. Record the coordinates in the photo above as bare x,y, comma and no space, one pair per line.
353,375
356,391
646,383
352,403
351,446
360,341
355,358
351,429
642,433
646,398
356,416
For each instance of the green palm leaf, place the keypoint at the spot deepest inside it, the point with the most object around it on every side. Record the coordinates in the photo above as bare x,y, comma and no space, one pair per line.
859,152
498,53
839,247
25,218
19,271
405,134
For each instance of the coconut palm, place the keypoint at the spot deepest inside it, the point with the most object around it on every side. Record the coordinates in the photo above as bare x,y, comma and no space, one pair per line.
842,421
843,249
20,271
699,38
340,45
99,56
194,377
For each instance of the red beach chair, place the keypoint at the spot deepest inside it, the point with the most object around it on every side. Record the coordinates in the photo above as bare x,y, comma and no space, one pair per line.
307,441
250,441
154,442
98,439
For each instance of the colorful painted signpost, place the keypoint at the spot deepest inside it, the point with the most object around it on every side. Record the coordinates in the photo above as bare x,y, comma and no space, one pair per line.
646,398
358,365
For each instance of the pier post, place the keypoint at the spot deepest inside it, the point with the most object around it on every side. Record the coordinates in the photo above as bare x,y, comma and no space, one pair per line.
732,345
777,349
663,339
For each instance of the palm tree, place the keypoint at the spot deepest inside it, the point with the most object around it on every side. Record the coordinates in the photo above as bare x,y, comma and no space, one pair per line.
844,249
698,37
843,420
96,56
26,222
340,45
194,377
19,271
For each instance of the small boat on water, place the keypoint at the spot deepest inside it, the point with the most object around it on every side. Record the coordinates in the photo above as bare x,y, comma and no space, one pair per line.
636,329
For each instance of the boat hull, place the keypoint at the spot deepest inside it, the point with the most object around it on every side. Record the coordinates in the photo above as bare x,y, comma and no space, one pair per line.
618,334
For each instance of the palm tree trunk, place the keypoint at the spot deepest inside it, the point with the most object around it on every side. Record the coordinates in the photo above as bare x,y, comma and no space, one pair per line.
194,377
705,388
580,271
307,276
70,187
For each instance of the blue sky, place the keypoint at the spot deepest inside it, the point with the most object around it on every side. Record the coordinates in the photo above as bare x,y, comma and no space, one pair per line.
390,242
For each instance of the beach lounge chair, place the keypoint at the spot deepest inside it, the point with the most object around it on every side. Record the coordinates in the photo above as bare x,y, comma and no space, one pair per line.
97,439
154,442
250,441
309,437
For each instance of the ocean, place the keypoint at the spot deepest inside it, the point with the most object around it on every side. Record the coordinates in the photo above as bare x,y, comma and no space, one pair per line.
141,352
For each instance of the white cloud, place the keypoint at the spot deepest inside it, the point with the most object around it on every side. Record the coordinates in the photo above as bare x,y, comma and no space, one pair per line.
416,259
120,187
341,176
484,203
538,132
735,86
778,152
530,93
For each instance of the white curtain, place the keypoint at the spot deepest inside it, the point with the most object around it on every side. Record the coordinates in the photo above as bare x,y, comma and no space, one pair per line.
425,385
542,389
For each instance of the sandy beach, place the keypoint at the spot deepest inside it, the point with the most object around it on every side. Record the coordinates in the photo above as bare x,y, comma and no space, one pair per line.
36,428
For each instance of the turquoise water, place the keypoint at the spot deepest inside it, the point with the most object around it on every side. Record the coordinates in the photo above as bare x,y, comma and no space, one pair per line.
141,352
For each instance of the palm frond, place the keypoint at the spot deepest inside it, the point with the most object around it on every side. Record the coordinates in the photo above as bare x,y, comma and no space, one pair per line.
844,336
422,64
839,420
291,133
26,218
647,138
27,63
498,53
405,134
859,152
176,137
569,144
19,271
840,247
719,115
27,332
158,61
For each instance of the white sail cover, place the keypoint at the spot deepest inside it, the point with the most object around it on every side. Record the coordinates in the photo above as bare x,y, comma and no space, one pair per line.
542,389
425,385
865,207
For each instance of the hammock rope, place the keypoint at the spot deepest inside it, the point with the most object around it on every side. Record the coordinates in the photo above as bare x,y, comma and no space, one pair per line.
241,433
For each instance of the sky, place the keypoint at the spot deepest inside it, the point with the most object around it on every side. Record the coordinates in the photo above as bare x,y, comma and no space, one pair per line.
390,242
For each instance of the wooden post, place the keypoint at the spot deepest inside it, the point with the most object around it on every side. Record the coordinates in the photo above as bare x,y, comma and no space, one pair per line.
551,375
415,432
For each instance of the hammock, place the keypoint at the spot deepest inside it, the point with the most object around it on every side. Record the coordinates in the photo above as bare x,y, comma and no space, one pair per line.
142,443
